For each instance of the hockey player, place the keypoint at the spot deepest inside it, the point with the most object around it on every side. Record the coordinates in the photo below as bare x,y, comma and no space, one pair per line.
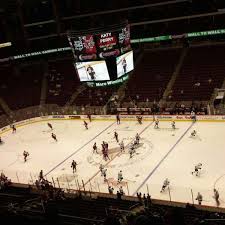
193,133
104,174
137,138
121,190
193,116
165,185
41,176
139,119
122,146
216,197
86,125
50,126
105,150
135,144
54,137
105,154
95,148
111,189
116,136
199,198
173,125
101,167
25,155
120,176
131,150
13,129
156,124
198,167
74,166
89,117
118,119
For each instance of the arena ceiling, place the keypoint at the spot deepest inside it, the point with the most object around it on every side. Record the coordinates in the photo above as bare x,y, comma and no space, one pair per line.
42,24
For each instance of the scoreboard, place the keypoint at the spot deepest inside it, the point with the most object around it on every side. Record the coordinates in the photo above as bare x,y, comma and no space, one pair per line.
102,55
100,45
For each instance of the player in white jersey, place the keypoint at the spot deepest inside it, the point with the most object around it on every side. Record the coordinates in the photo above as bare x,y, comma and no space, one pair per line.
131,150
193,116
121,190
137,138
101,167
199,198
198,167
156,124
173,125
104,174
120,176
122,146
110,189
165,184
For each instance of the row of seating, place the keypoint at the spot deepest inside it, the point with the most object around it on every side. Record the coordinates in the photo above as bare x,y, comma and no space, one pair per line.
25,202
152,75
20,85
201,72
62,81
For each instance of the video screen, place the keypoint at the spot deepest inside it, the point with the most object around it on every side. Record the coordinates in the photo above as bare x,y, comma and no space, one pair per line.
124,63
92,71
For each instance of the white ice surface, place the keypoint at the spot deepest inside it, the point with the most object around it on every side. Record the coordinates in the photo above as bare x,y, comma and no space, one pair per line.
163,153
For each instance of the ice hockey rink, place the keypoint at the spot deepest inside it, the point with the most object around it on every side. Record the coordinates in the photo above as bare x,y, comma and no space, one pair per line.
162,153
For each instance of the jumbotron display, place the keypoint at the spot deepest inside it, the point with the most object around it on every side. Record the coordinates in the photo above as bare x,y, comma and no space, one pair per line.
100,45
100,55
124,63
92,71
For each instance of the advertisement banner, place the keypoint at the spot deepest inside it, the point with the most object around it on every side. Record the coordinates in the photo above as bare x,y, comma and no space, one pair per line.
124,39
74,117
83,47
107,44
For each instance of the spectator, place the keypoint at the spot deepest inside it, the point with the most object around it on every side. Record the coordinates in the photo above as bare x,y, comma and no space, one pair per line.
210,80
139,197
197,84
149,200
145,201
118,195
216,197
4,181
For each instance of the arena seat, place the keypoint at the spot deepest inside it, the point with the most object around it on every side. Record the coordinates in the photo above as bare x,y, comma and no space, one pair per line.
202,71
21,87
96,96
62,81
152,75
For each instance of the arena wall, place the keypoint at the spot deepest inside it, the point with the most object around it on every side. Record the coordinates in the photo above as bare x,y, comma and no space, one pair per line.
177,118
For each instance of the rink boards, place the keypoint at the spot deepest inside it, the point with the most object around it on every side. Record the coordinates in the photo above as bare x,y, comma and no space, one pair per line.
177,118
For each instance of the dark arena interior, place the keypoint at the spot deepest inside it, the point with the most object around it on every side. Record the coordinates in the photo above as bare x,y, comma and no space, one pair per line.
126,101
